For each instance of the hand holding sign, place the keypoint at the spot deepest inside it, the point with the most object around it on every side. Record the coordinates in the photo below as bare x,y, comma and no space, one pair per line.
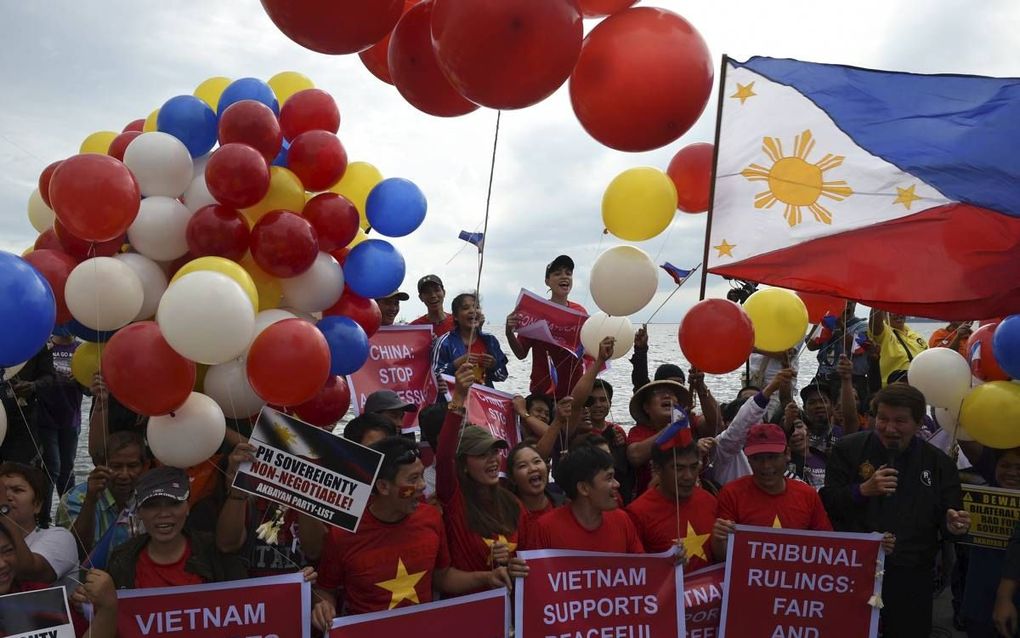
957,521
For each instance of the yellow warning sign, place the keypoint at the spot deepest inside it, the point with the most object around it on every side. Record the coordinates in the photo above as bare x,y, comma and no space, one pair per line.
993,514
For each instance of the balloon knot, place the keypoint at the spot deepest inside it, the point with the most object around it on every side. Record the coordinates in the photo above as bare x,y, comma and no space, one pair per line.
172,415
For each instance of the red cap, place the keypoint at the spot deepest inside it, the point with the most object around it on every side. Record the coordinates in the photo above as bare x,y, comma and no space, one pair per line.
765,438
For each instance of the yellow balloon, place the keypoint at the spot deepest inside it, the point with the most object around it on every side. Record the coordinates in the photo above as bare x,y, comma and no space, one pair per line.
224,266
200,370
357,182
639,204
358,238
85,362
285,192
211,90
150,122
991,414
287,83
25,252
98,142
270,291
779,317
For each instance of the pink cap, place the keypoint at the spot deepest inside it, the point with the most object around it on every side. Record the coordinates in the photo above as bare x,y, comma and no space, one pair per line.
765,438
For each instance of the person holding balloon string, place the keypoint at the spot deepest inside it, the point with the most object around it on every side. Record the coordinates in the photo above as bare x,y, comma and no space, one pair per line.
466,343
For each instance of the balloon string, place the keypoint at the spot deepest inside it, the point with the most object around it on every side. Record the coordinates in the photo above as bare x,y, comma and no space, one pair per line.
649,319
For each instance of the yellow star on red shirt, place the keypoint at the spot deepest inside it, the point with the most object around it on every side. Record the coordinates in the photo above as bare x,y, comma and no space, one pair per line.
402,586
695,543
776,524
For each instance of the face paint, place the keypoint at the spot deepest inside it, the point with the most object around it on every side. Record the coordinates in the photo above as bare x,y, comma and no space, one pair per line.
406,491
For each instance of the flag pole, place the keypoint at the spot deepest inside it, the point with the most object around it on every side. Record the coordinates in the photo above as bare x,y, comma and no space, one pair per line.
715,163
676,290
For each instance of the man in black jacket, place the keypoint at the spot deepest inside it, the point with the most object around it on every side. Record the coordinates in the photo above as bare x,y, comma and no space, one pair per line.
889,480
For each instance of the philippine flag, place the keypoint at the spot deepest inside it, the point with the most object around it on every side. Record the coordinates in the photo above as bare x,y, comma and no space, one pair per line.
898,190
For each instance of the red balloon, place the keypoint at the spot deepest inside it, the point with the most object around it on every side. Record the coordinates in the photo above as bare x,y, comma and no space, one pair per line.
691,172
134,125
237,176
56,267
252,123
95,196
820,305
219,231
120,144
506,54
328,405
318,159
144,372
376,57
44,181
415,70
599,8
309,110
716,336
334,26
334,218
284,244
80,249
364,312
288,362
984,367
643,78
48,240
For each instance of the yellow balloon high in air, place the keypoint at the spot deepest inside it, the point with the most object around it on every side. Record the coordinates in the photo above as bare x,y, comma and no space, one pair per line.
150,122
287,83
98,142
639,204
211,90
357,182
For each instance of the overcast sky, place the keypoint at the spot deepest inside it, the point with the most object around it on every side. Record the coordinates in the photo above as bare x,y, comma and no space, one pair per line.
71,68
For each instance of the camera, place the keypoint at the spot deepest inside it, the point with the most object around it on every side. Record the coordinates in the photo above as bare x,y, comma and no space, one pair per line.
740,290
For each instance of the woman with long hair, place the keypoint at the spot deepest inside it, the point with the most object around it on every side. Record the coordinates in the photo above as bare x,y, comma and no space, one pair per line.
466,343
529,480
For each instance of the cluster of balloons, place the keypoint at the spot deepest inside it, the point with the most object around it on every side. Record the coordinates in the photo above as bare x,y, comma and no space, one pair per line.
214,259
448,57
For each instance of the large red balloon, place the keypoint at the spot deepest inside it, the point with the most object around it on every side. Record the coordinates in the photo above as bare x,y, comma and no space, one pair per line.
506,54
415,70
334,26
134,125
94,196
120,143
80,249
599,8
284,244
48,240
643,78
144,372
691,172
252,123
318,159
716,336
820,305
328,405
219,231
309,110
984,366
44,181
56,267
376,57
237,176
288,362
364,312
334,218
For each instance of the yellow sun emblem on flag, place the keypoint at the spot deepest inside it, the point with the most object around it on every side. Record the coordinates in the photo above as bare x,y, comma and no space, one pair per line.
796,182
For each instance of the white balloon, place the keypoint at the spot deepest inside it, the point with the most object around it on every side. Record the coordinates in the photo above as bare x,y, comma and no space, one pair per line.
317,288
206,317
949,420
942,375
227,385
197,194
623,280
159,230
190,434
154,282
267,318
3,423
103,293
7,373
40,215
599,326
310,317
161,164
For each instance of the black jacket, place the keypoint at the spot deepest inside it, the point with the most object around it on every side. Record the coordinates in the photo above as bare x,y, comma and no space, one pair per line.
928,485
205,561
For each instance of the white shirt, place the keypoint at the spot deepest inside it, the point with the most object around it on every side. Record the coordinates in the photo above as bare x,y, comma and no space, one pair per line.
58,547
730,463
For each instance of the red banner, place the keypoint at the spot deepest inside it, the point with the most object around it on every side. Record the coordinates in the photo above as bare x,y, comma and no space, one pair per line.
494,411
271,607
399,359
586,594
782,583
703,594
487,614
543,320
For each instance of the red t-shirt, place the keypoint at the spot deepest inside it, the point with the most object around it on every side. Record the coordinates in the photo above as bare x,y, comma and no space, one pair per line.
559,529
569,368
438,329
658,520
799,507
149,573
642,432
385,565
534,515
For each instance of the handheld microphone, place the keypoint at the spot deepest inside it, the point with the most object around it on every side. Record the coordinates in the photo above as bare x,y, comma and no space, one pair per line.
892,453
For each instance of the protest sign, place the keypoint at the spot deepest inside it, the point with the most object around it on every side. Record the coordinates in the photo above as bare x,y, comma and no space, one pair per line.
487,614
271,607
703,594
42,613
993,513
399,359
569,593
494,411
543,320
784,583
309,470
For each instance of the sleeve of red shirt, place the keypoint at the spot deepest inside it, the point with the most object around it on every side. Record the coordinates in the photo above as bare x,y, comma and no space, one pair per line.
330,567
726,505
819,519
443,556
446,454
634,545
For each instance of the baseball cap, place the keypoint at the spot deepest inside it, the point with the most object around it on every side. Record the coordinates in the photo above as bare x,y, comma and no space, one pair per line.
430,279
402,296
560,262
475,441
816,386
765,438
171,482
386,400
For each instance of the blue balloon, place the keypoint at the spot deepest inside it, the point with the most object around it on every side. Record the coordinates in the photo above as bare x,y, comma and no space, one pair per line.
85,333
348,344
395,207
247,89
1006,345
281,157
190,120
374,269
28,310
